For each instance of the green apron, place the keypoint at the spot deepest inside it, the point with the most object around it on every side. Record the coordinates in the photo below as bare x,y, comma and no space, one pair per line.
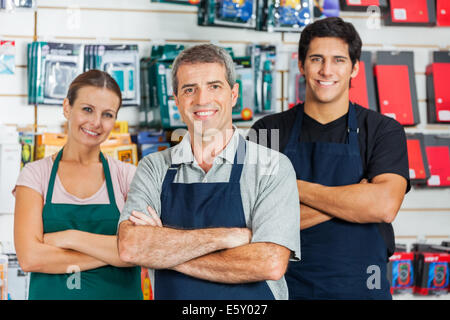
104,283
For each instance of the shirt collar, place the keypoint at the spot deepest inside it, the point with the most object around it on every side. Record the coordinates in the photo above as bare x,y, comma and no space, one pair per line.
182,152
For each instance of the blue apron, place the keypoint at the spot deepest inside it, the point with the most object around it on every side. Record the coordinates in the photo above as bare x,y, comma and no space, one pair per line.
204,205
336,255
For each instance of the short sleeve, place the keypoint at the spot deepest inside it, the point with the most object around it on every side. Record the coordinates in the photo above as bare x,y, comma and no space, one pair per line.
276,214
145,187
389,153
33,175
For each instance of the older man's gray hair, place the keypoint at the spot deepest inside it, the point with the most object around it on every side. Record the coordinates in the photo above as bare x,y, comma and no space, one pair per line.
204,53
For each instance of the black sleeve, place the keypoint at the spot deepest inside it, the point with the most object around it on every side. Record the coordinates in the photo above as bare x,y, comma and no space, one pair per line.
260,133
389,153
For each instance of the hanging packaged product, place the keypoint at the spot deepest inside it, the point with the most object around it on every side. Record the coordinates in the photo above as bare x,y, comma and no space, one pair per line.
443,12
296,82
12,5
122,63
438,95
362,5
419,171
144,107
438,155
396,84
183,2
243,109
228,13
160,80
7,57
400,272
264,67
432,267
26,139
326,8
52,68
287,15
414,13
362,89
170,115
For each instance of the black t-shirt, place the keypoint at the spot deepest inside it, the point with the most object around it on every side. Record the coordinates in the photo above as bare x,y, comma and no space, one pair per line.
382,143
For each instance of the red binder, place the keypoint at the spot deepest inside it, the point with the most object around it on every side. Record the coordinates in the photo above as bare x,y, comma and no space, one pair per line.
438,92
362,90
443,12
412,12
358,91
439,164
363,2
361,5
415,159
394,92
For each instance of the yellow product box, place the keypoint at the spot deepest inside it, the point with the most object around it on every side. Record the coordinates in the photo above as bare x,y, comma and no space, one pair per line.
120,127
49,143
116,139
126,153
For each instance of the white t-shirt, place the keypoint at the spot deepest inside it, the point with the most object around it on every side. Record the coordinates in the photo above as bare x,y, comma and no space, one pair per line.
36,175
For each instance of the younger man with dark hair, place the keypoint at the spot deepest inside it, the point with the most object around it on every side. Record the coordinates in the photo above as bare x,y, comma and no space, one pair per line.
352,172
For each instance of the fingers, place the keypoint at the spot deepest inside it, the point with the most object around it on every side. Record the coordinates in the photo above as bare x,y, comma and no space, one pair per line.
364,181
155,216
140,219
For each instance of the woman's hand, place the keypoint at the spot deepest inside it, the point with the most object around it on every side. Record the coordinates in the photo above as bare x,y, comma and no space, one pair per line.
60,239
141,219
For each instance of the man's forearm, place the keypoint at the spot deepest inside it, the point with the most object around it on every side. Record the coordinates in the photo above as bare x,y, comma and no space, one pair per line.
161,247
310,217
248,263
360,203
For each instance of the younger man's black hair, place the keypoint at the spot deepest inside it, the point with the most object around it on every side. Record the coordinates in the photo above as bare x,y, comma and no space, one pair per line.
331,27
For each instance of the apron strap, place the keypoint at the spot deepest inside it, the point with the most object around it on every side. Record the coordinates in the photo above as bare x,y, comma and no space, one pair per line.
51,183
109,185
296,130
238,162
352,126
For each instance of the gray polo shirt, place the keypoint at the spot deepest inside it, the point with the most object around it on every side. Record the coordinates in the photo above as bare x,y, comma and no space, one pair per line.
268,184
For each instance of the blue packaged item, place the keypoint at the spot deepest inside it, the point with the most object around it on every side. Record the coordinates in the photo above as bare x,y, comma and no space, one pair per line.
287,15
151,137
7,57
236,10
326,8
152,148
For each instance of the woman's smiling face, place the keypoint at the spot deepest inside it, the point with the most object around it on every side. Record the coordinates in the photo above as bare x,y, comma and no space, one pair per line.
92,115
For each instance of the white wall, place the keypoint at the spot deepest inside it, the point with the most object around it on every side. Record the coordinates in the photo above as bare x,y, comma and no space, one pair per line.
424,213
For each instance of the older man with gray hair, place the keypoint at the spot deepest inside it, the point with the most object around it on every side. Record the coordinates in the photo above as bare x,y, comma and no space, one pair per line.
221,214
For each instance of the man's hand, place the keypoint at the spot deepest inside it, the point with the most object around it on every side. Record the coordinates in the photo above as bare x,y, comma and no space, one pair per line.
236,237
141,219
360,202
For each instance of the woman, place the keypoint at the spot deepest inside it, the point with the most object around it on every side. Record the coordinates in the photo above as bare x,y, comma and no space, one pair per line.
67,209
